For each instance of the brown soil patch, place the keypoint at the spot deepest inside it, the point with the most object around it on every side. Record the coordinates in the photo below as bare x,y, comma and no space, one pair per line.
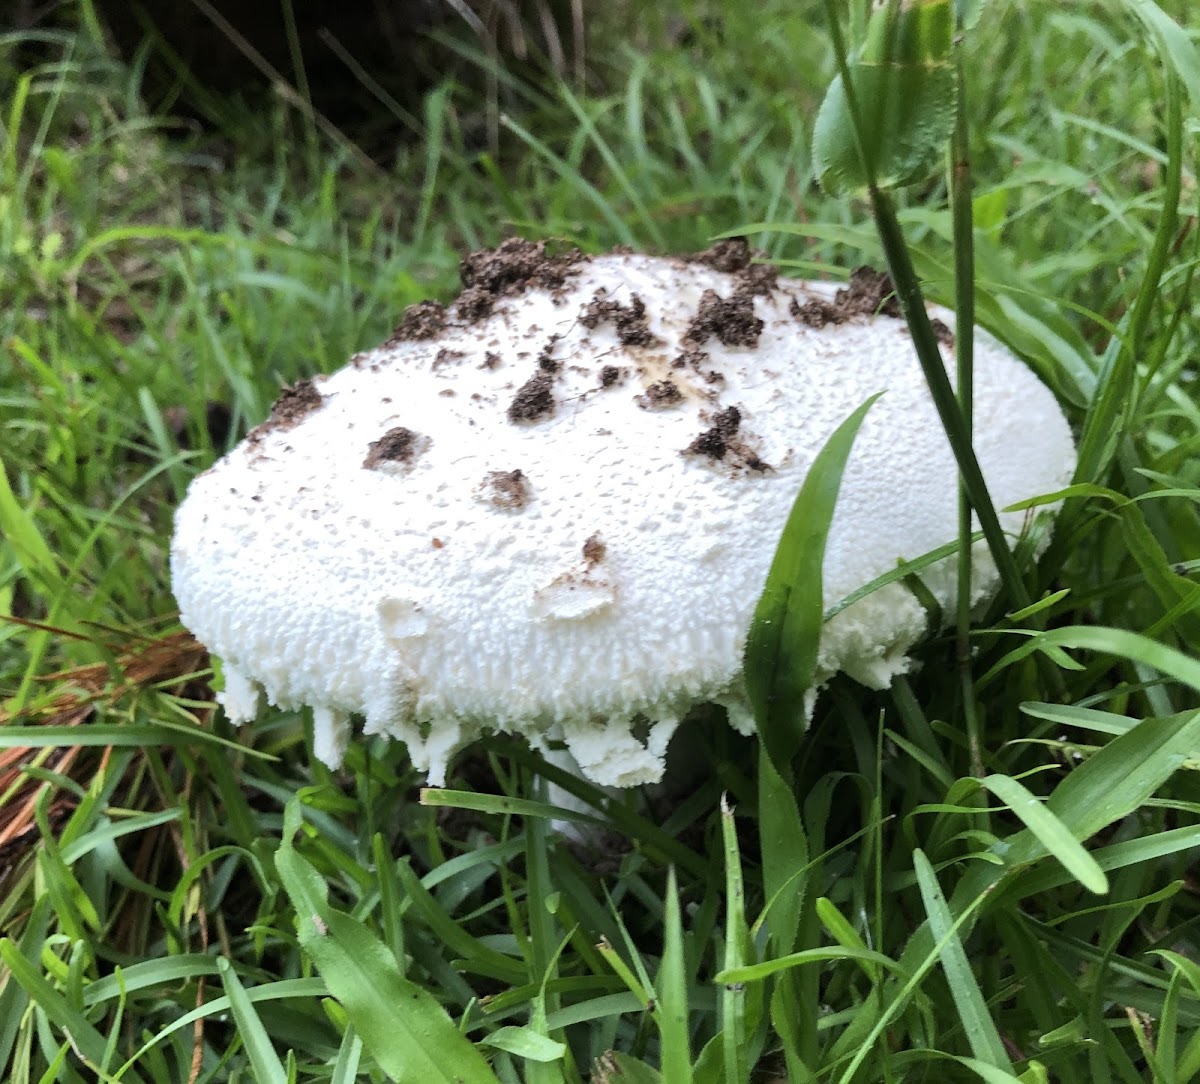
714,441
633,326
534,399
424,320
731,320
944,335
758,278
660,395
695,360
594,550
730,255
869,293
515,266
295,403
546,359
446,356
722,442
507,489
398,445
609,375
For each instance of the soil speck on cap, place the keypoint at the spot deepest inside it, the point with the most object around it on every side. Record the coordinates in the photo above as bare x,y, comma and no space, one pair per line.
869,293
508,489
731,320
508,271
722,442
534,399
446,356
594,550
398,445
491,360
424,320
730,255
545,359
816,312
714,441
758,278
944,335
609,375
294,404
659,396
694,359
633,327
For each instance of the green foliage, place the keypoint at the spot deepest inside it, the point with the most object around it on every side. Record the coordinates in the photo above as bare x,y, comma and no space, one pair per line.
986,872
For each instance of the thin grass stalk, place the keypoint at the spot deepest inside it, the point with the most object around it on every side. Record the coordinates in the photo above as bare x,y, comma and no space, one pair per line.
908,292
912,302
1114,405
963,218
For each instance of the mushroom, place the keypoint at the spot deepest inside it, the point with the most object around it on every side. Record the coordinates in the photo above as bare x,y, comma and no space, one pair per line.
549,508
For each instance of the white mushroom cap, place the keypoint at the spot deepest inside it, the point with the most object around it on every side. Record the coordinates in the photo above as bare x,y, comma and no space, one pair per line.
550,509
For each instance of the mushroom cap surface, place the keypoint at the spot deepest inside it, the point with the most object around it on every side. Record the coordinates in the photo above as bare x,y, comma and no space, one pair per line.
550,508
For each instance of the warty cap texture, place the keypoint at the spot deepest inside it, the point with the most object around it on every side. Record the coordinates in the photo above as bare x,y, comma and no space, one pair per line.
550,508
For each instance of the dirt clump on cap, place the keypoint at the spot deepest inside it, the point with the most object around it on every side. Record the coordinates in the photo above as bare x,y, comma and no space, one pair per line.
507,489
546,360
714,441
295,403
734,256
594,550
869,293
446,356
730,319
609,375
424,320
633,326
517,265
942,332
534,399
757,278
730,255
693,358
660,395
398,445
722,442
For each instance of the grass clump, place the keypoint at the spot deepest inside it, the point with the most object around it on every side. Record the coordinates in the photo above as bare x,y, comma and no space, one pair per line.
985,873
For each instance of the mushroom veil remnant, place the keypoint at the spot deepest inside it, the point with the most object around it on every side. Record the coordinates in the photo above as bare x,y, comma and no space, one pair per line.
549,508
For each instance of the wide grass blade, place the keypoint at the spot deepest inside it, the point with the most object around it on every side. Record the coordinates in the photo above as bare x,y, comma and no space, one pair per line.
969,1002
401,1025
268,1069
785,632
1049,830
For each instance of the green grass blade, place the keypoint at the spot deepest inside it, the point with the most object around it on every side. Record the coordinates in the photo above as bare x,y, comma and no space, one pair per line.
264,1059
977,1022
781,649
401,1025
737,941
83,1035
1049,830
671,995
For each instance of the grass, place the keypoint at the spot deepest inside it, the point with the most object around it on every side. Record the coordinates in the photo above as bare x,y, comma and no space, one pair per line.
911,898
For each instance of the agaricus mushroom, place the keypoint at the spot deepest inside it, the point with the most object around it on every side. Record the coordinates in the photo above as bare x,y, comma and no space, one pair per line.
550,507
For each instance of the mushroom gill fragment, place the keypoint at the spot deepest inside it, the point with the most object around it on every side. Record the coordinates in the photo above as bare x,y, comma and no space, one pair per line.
571,544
